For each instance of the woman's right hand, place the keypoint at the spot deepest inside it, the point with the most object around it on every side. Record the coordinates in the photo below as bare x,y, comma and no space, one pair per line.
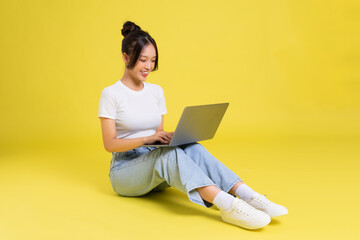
159,136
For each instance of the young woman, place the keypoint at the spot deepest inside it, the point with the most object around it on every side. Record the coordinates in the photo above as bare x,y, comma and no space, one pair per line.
132,114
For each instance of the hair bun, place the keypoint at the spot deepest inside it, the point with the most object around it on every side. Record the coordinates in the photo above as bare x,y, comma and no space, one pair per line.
129,27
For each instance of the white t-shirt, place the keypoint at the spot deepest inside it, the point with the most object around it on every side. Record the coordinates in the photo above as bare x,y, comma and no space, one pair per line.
136,113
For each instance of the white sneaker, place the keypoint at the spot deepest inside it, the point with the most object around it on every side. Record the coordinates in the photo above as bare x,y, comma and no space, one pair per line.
243,215
260,202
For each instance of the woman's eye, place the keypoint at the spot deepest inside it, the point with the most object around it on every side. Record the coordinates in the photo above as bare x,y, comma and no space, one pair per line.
153,61
141,60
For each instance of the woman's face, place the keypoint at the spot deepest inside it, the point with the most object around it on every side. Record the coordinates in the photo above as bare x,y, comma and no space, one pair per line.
145,63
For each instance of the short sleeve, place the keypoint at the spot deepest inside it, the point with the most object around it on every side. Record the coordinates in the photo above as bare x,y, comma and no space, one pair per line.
162,104
107,105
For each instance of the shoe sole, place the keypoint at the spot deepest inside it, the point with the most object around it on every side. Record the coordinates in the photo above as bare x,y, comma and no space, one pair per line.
244,225
277,215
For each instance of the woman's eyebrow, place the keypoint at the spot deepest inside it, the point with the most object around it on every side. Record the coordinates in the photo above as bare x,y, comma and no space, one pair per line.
146,56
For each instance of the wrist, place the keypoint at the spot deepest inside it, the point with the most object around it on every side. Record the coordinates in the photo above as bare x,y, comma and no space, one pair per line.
146,140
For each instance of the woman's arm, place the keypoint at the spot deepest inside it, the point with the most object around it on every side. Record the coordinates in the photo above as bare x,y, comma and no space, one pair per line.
112,144
161,126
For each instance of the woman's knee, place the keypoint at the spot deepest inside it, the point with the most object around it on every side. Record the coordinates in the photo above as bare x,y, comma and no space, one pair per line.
196,151
171,155
193,147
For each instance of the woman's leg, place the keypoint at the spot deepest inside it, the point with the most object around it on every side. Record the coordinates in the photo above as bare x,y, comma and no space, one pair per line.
143,173
221,175
235,187
208,193
139,175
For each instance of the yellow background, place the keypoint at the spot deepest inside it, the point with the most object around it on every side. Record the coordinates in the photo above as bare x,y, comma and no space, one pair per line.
290,70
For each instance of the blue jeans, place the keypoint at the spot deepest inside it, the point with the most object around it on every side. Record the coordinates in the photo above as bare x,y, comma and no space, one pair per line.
186,167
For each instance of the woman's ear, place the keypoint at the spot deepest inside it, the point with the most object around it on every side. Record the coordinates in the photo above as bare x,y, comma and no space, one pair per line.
125,59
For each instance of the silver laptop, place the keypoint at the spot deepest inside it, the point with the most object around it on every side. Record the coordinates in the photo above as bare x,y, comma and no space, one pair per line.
197,123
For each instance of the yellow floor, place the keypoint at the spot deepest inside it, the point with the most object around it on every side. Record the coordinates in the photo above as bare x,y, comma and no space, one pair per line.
63,193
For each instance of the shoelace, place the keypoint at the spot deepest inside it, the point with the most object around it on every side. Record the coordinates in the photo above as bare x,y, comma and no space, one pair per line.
243,208
263,200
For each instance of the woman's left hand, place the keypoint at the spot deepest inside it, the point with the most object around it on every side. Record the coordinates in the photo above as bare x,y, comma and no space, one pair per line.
166,136
169,135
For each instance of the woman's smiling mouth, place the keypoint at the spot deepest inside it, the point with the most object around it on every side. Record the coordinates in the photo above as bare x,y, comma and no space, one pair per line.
144,74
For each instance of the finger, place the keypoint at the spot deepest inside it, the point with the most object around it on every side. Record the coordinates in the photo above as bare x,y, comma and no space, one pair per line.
161,134
159,139
162,139
166,139
166,136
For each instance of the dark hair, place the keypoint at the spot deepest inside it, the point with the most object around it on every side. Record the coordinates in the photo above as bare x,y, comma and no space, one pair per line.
134,41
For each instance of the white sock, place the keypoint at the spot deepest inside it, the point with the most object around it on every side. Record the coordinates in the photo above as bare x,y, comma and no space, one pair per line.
223,200
244,192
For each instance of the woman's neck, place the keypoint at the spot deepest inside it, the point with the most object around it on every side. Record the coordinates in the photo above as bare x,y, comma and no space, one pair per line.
132,83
